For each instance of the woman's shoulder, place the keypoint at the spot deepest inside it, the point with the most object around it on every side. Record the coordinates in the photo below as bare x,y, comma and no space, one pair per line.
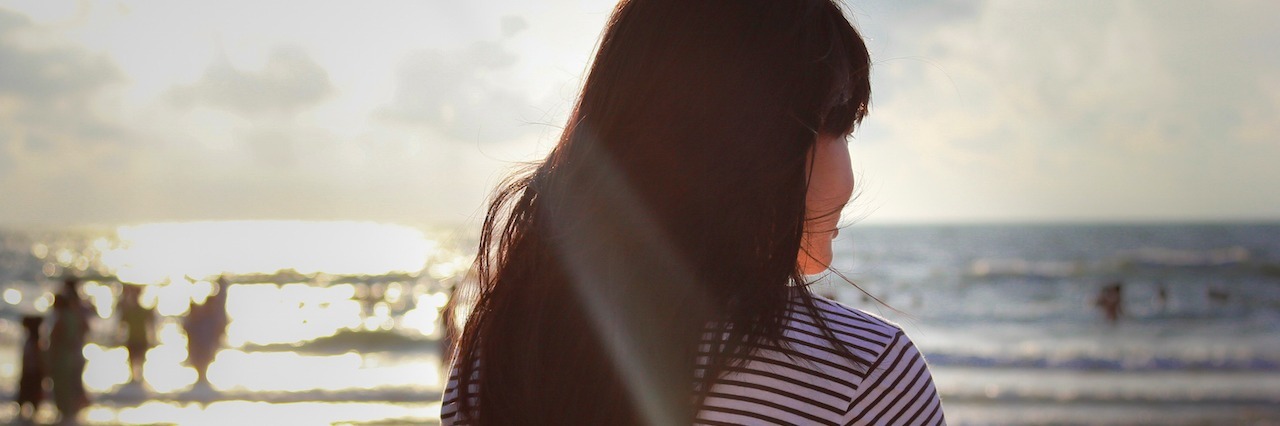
864,331
895,386
805,379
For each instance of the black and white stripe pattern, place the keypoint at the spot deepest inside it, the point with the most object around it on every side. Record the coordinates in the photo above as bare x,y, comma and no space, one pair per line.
810,383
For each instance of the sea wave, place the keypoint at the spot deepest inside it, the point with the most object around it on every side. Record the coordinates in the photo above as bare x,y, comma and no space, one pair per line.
1120,262
1121,362
1162,256
1025,268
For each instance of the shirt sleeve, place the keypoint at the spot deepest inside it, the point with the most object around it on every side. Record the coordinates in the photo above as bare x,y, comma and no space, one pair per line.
898,390
449,401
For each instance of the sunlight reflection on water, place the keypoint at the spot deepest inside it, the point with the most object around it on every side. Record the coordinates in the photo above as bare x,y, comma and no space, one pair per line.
325,321
293,413
267,313
235,371
154,252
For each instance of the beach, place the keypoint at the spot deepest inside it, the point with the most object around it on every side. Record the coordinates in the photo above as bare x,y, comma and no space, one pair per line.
1010,317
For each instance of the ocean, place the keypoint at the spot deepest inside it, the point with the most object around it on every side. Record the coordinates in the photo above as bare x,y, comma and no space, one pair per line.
1009,320
337,322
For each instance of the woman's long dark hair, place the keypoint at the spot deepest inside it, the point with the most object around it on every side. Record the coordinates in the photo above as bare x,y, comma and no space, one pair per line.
674,201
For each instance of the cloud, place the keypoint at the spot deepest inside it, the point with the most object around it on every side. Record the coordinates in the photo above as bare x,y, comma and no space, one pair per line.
462,94
48,91
56,124
1127,75
983,110
101,125
49,73
1259,126
1098,110
267,100
51,99
512,25
290,81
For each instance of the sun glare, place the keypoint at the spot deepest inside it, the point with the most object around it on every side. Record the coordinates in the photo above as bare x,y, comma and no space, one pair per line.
159,252
293,294
234,412
266,313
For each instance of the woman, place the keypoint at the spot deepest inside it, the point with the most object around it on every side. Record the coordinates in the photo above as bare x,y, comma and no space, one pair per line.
136,322
206,326
651,269
34,370
70,327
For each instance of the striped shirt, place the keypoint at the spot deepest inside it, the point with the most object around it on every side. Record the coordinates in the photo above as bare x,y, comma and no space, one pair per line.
807,382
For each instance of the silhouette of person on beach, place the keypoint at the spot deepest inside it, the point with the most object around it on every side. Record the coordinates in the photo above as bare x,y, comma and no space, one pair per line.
136,322
34,370
1111,301
206,324
70,327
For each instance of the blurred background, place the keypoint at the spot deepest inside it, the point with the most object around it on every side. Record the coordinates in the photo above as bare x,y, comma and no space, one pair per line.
1073,208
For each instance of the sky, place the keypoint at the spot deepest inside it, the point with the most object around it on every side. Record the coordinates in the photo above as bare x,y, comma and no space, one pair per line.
133,111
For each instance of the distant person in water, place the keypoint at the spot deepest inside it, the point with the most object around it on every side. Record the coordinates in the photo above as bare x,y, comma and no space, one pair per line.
1162,297
136,324
1111,301
206,324
70,327
1218,294
34,370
